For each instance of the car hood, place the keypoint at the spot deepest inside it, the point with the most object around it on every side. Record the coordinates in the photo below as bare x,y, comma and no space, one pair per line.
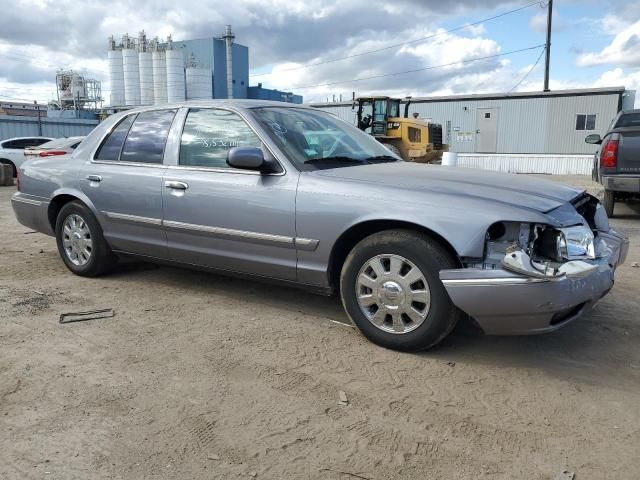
516,190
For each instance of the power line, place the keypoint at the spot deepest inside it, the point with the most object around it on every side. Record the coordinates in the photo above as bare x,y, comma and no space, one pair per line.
396,45
416,69
530,70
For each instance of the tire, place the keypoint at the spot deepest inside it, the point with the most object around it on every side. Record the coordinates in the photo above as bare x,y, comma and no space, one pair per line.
13,166
82,226
609,201
394,149
430,322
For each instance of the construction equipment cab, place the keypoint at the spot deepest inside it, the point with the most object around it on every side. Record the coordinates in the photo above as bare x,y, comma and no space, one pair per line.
415,140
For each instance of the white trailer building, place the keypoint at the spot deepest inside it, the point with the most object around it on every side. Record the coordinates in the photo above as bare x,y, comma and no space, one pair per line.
524,131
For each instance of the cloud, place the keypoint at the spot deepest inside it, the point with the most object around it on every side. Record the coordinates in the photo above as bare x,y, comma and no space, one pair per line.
419,58
538,22
624,49
618,77
476,30
39,36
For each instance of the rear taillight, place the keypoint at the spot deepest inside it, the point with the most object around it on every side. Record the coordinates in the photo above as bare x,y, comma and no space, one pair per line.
609,155
51,153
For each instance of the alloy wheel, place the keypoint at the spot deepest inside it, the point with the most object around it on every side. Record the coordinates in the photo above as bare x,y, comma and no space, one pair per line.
393,293
76,240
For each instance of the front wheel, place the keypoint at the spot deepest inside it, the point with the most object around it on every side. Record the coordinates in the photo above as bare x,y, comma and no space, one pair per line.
391,290
81,243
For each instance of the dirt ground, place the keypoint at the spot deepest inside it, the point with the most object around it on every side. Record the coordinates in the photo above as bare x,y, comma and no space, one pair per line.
201,376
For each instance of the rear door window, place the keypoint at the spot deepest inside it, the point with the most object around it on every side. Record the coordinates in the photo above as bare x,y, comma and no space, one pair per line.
112,145
147,137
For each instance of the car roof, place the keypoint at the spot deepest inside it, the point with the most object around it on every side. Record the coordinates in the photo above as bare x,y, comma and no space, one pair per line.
237,103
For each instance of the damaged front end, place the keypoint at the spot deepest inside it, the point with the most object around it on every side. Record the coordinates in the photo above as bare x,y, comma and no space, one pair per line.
536,277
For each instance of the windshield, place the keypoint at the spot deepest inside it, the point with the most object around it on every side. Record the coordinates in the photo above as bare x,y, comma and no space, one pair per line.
317,140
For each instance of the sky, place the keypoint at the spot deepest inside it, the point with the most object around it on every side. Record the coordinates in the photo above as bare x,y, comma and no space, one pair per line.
300,45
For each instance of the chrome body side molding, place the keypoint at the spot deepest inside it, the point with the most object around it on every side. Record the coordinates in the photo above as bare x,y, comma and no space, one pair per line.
133,218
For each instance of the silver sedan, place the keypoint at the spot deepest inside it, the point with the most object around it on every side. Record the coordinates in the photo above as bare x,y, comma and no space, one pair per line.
294,195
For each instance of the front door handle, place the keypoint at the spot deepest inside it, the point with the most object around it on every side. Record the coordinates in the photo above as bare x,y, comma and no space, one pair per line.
176,185
94,178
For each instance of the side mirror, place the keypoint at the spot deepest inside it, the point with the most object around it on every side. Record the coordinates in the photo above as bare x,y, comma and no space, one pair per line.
246,158
594,138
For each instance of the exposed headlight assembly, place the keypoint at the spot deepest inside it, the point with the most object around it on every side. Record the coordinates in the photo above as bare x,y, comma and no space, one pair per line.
540,250
579,242
569,243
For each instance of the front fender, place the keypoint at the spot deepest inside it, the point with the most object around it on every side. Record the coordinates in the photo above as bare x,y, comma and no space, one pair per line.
326,209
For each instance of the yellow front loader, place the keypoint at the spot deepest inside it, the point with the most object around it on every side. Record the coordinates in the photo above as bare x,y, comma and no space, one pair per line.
415,140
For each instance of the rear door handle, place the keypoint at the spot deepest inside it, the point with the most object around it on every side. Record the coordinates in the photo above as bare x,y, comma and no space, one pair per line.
176,185
94,178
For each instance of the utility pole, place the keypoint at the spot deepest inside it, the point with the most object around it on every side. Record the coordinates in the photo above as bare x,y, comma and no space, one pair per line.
35,102
548,46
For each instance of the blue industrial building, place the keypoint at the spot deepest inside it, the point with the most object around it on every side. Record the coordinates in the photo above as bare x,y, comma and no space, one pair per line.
260,93
210,53
146,71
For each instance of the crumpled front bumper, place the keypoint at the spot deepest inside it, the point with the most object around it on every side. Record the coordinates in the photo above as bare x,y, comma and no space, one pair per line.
506,303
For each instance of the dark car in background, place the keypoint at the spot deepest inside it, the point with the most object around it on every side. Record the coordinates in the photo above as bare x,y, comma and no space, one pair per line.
617,162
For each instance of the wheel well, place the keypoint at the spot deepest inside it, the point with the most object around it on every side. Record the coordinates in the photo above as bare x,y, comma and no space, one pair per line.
353,235
6,161
56,205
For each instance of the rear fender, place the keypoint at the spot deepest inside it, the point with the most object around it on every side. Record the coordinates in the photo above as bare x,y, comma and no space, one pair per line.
79,195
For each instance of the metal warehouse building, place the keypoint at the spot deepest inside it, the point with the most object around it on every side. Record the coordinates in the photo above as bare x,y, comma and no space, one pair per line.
531,127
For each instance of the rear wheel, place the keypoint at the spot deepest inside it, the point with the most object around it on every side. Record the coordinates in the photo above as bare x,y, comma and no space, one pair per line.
391,290
609,201
81,243
13,167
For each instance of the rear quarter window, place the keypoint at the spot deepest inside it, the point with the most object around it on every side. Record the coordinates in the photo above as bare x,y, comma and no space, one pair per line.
112,145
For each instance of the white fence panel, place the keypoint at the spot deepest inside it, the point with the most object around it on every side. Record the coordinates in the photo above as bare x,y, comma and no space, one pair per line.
528,163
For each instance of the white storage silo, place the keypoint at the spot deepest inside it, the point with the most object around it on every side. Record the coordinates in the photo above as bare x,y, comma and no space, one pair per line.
131,76
146,78
199,83
116,77
159,77
175,76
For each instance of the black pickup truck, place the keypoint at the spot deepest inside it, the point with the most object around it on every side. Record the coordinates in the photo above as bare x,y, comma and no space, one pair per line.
617,163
